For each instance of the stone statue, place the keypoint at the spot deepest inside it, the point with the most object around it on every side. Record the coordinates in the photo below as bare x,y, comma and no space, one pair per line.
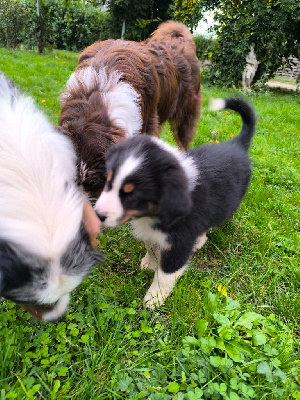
250,68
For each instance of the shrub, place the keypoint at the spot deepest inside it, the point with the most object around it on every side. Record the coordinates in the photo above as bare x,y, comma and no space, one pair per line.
13,19
271,26
75,27
229,61
71,26
205,47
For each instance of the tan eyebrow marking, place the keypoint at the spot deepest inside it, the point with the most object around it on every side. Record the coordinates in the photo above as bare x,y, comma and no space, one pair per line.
109,175
128,187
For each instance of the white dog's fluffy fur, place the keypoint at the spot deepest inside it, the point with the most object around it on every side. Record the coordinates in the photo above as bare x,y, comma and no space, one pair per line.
44,249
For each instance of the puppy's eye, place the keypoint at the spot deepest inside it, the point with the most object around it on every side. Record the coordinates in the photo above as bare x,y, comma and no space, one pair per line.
128,188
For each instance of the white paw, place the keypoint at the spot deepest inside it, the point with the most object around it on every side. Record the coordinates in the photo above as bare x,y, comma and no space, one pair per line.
154,299
162,285
200,242
159,290
148,263
145,262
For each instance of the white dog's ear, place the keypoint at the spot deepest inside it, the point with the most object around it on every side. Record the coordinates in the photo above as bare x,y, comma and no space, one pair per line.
175,199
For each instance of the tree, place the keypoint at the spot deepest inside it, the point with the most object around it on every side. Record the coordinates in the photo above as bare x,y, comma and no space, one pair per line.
273,26
39,27
13,17
141,17
189,12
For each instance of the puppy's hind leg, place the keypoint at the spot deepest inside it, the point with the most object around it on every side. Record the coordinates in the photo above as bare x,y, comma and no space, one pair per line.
185,133
162,285
152,125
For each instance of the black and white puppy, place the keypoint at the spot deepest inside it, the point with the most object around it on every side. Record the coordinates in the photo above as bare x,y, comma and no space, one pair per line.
174,198
45,251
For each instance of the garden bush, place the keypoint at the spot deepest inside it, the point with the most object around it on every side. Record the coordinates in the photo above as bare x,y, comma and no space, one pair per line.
74,27
271,26
205,47
71,26
13,20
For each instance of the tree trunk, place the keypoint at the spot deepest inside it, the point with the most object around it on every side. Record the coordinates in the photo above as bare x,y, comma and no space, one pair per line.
39,27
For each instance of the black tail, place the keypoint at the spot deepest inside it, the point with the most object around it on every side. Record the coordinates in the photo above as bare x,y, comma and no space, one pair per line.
246,111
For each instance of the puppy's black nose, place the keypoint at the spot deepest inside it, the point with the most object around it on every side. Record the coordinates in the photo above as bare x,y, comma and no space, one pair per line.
102,217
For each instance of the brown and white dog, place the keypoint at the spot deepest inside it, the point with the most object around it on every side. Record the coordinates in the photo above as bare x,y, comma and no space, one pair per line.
122,88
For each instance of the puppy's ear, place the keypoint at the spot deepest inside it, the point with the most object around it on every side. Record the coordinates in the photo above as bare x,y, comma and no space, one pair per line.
175,198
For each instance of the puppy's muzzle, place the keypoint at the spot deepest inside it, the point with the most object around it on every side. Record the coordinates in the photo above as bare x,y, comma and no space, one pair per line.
101,216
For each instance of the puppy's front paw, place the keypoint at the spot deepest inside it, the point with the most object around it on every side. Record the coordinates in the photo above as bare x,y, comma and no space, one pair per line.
148,262
156,295
153,299
162,285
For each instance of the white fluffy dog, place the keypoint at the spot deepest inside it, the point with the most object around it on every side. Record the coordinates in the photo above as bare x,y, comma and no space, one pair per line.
45,251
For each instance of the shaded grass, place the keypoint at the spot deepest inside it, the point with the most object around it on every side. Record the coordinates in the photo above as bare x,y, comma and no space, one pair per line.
255,256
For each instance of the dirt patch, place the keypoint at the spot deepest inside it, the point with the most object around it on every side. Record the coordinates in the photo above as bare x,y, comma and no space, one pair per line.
288,86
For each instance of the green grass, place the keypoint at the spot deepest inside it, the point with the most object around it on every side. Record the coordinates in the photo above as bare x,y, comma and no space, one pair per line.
200,344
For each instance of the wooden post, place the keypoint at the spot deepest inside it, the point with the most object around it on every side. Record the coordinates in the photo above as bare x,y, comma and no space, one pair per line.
123,30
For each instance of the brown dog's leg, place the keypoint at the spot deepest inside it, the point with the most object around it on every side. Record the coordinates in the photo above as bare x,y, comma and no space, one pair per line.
184,125
152,126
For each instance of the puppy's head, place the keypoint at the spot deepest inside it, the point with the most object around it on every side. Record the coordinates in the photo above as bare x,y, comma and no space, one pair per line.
145,177
41,285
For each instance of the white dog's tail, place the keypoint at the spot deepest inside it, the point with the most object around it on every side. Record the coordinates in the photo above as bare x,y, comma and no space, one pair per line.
246,111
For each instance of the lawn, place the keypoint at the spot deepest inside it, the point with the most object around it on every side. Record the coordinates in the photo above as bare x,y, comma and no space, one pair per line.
231,328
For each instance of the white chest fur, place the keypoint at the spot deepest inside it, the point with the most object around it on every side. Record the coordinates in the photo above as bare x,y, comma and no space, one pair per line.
143,229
